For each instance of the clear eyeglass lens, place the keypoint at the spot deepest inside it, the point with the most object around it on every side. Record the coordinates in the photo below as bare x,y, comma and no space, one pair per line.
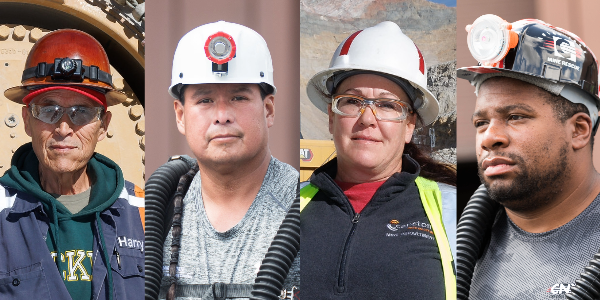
79,115
50,114
82,115
385,109
349,105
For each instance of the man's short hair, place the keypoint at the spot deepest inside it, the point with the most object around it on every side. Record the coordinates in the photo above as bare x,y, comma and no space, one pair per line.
564,109
264,88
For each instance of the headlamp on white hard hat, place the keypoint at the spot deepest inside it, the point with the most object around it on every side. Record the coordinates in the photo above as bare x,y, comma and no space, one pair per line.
222,52
220,49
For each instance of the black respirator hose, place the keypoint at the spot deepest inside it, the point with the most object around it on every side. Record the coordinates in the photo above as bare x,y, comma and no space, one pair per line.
278,260
587,287
159,189
472,234
275,266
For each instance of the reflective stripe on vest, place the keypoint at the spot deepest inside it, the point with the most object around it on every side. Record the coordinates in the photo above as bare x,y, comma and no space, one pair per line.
431,198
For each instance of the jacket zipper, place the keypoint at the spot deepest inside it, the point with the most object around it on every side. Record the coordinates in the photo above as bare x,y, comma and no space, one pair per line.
341,283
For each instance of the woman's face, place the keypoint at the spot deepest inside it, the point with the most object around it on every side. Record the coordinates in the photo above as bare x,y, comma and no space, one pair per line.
368,149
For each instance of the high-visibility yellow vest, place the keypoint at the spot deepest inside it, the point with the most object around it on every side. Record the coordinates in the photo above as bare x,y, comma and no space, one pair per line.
431,198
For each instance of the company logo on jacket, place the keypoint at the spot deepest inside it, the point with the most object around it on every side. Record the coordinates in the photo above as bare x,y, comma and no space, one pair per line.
416,228
560,288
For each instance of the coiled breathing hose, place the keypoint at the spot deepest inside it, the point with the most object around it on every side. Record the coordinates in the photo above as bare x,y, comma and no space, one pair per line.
587,287
275,266
473,234
159,189
280,255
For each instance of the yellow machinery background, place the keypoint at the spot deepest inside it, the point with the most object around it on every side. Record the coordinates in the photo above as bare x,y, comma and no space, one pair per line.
313,154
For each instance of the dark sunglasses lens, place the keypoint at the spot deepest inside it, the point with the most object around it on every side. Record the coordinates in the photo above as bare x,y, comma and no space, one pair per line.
81,115
50,114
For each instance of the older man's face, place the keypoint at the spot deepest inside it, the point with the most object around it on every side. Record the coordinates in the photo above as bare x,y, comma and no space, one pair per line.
64,147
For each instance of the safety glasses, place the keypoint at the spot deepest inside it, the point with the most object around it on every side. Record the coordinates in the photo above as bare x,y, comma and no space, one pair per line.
79,115
384,109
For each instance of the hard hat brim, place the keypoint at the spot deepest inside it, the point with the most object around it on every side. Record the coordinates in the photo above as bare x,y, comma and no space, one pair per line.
470,73
16,94
173,89
319,96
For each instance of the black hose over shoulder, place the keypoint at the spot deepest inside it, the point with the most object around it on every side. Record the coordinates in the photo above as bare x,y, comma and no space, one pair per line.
472,233
587,287
159,189
278,260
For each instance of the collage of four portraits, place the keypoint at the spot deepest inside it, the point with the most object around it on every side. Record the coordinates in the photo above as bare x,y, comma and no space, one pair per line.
447,149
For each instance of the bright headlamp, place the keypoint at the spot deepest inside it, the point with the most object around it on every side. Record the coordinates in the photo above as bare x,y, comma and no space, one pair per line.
489,39
220,48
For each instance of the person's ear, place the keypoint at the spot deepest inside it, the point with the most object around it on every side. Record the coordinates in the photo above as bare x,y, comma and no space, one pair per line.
410,127
331,116
269,104
104,125
581,128
179,116
26,115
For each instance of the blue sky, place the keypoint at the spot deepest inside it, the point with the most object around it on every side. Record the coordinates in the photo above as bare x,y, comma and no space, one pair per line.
451,3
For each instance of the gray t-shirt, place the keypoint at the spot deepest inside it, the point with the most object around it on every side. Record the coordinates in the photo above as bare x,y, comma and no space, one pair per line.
234,256
74,203
522,265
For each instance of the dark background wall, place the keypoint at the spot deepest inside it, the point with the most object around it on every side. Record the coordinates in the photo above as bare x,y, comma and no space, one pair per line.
167,21
577,16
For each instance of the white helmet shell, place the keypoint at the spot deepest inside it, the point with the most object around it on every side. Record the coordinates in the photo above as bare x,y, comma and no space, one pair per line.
249,60
382,48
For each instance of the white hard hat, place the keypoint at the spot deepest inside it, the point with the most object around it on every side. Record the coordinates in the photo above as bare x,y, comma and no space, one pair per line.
382,49
221,52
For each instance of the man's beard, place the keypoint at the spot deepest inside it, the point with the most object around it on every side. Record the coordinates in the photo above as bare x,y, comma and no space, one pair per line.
533,187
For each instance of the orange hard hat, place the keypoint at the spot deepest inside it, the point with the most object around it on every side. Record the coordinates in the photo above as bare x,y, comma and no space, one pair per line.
66,57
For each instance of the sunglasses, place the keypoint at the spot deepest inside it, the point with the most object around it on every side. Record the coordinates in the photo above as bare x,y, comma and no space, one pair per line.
384,109
79,115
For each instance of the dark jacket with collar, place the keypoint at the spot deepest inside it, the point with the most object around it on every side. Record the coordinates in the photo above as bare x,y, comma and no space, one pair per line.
28,271
385,252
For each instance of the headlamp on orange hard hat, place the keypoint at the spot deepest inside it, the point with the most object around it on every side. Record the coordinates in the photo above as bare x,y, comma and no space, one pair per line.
82,66
68,70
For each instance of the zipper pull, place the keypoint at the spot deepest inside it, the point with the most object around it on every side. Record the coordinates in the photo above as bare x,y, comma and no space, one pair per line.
118,258
355,219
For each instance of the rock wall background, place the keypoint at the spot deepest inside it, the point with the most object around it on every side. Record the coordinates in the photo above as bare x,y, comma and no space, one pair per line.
324,24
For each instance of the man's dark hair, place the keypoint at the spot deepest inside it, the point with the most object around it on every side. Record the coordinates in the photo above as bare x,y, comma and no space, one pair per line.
564,109
264,88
